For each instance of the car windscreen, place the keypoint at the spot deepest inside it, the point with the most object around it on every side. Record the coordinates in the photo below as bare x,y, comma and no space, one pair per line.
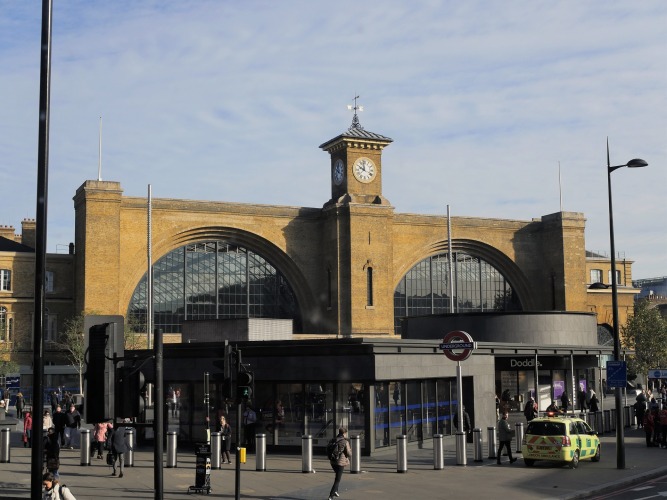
546,428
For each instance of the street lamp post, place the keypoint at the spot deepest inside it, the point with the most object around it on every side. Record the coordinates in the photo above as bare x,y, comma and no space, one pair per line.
620,446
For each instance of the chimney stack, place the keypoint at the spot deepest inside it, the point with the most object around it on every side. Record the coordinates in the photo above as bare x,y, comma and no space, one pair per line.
29,232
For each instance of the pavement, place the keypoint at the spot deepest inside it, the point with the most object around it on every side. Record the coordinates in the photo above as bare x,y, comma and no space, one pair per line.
379,478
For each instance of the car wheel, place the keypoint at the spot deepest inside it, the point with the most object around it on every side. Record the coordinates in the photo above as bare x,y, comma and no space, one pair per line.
529,462
575,460
596,458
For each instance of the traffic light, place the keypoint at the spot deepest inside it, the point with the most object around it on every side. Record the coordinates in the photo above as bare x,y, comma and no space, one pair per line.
130,382
103,339
244,386
227,392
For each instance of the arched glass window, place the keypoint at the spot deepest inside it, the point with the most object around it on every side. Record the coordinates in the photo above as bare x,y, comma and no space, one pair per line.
478,286
214,280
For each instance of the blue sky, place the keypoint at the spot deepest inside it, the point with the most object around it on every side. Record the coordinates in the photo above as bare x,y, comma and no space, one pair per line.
229,100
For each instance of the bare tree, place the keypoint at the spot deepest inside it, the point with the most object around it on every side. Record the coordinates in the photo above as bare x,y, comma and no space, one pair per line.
71,341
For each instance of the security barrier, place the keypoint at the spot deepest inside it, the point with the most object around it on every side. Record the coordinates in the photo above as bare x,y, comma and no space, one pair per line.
260,453
461,458
85,446
171,450
519,436
5,435
216,450
438,452
307,453
355,462
402,453
131,441
477,444
492,440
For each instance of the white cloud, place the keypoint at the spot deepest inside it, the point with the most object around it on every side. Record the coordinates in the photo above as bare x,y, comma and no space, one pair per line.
230,100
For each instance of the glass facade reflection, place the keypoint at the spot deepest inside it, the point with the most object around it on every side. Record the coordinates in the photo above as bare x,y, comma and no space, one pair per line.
478,286
214,280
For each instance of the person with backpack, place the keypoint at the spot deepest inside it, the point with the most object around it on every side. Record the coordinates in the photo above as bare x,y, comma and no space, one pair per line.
119,446
339,453
53,490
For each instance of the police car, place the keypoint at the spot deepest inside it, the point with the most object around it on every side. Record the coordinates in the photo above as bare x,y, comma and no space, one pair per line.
561,439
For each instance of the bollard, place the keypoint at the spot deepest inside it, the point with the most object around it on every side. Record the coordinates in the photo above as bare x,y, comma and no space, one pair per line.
477,444
627,421
242,455
260,452
307,453
438,452
355,462
85,446
461,458
402,453
171,449
130,432
216,450
519,436
5,435
493,442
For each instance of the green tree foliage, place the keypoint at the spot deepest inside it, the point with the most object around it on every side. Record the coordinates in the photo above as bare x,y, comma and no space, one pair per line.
646,334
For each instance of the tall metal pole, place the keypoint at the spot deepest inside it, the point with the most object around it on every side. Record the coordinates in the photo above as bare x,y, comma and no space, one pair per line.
620,445
237,487
37,456
158,427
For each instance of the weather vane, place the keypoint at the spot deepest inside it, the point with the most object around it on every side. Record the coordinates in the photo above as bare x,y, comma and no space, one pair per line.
355,118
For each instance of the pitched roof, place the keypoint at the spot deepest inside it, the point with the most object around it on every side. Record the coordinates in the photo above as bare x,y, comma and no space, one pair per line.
7,245
357,133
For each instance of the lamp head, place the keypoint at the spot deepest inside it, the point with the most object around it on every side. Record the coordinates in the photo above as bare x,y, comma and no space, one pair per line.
637,163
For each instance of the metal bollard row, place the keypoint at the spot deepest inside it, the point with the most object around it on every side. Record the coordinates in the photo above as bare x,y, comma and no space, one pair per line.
438,452
171,450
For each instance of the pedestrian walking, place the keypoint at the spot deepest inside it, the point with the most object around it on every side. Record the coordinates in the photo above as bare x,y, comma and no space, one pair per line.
119,446
53,490
52,452
530,410
27,430
594,401
505,434
60,422
102,429
19,405
564,401
72,427
249,423
339,456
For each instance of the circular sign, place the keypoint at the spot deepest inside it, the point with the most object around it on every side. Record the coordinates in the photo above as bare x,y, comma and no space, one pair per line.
457,345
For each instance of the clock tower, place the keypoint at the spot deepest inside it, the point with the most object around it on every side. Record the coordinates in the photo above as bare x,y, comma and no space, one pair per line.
357,240
356,165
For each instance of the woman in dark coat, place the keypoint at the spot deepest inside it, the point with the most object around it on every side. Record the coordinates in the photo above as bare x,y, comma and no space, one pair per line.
119,447
226,436
52,452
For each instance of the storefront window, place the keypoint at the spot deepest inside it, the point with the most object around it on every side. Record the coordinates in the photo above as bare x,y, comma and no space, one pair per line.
396,412
381,414
414,411
445,408
291,429
350,409
319,418
430,408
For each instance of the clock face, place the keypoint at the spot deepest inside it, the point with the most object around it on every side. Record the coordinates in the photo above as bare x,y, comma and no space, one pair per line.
364,170
338,172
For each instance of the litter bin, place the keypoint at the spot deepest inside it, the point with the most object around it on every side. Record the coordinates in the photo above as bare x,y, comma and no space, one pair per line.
202,469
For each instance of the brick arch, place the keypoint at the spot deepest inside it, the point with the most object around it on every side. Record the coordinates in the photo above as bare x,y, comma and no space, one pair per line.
267,249
492,255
